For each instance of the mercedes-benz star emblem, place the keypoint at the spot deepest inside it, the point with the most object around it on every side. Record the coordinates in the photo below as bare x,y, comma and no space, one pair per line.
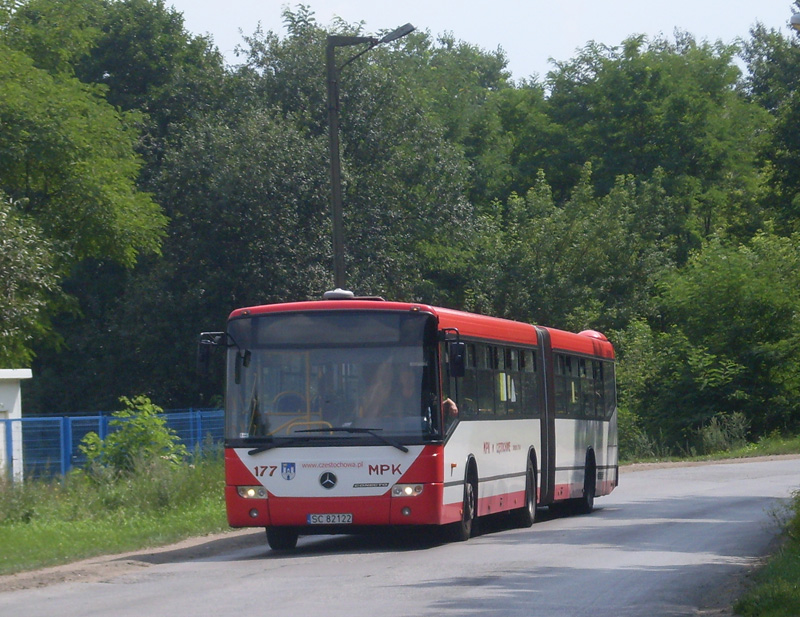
328,480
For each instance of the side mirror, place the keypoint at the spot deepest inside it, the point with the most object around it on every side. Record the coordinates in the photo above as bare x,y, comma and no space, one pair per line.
457,351
204,344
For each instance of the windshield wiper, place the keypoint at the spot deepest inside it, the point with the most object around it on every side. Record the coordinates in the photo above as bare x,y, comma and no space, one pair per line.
276,444
358,429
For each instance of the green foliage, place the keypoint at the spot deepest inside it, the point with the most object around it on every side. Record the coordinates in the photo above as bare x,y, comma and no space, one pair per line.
580,264
634,442
47,522
649,105
773,62
67,166
740,304
647,190
28,284
729,345
776,592
56,34
138,436
67,156
724,433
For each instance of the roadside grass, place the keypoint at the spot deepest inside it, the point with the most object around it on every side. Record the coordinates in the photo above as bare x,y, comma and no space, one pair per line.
776,589
766,446
50,522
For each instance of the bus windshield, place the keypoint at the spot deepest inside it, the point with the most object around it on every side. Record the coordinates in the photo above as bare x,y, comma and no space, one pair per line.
315,377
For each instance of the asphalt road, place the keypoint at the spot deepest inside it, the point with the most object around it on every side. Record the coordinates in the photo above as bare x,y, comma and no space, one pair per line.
669,541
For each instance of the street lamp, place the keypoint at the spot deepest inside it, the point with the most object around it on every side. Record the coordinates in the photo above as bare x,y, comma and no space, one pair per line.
335,41
794,22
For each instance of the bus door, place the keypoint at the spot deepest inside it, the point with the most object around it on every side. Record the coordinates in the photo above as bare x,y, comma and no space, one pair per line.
546,387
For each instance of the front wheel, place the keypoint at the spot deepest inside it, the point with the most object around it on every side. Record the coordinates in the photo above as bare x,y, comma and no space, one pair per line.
281,538
461,531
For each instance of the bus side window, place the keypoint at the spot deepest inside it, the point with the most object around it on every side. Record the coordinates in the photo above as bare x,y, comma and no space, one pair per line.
561,384
530,398
609,388
468,405
587,388
573,386
450,385
485,381
500,381
599,393
513,393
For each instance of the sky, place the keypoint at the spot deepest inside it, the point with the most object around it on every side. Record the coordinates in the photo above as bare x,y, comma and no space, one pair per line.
530,32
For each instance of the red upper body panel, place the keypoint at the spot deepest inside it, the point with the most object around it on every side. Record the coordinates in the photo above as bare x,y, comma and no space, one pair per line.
588,342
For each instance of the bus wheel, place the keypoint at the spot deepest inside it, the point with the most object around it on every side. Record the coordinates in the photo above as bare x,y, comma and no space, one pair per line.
462,530
526,515
281,538
585,504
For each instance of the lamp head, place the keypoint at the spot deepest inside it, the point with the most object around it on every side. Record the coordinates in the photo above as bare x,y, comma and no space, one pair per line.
397,34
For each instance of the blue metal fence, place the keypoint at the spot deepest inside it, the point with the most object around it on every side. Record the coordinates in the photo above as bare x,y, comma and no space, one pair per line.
50,444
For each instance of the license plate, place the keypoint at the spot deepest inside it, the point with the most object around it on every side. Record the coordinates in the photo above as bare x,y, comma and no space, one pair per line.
329,519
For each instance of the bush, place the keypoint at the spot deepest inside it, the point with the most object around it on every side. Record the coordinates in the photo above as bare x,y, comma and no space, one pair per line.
724,432
635,443
139,433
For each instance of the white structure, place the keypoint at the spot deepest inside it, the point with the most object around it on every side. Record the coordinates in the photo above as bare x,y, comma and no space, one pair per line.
11,409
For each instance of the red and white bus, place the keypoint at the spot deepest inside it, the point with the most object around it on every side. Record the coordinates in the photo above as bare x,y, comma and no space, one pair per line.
347,414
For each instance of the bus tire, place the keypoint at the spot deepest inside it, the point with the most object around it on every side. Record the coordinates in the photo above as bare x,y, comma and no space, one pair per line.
462,530
526,515
281,538
585,504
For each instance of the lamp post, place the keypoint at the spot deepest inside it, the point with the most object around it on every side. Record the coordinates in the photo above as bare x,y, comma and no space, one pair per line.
794,21
333,71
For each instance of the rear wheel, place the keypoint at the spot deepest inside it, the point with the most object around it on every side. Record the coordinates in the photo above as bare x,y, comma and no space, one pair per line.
526,515
281,538
585,504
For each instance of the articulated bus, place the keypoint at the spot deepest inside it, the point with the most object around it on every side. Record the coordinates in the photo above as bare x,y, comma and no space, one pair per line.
343,415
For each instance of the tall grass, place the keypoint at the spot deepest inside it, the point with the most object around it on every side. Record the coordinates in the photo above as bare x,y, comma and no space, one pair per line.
99,511
776,592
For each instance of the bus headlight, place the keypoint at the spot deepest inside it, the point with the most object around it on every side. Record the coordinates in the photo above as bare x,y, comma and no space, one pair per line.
252,492
406,490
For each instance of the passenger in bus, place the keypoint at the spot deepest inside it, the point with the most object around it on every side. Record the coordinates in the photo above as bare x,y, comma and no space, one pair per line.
450,410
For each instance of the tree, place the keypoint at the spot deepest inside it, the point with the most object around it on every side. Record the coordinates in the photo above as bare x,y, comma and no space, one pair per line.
67,156
149,63
728,341
589,262
55,34
665,105
403,182
28,284
774,69
67,163
135,54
